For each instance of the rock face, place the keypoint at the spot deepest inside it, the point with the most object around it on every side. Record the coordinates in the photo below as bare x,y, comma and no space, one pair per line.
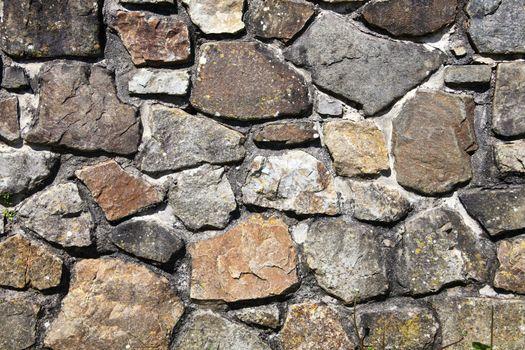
9,129
265,86
143,308
497,26
437,249
307,326
294,181
346,259
216,17
118,193
410,17
510,157
151,39
50,28
432,138
208,330
26,264
146,81
357,148
14,78
266,316
511,272
59,215
279,19
203,198
179,140
498,210
255,259
21,316
147,239
286,134
79,109
468,75
327,105
509,100
357,66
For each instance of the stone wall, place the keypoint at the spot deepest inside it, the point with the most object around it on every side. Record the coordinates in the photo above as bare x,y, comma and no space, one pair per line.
268,174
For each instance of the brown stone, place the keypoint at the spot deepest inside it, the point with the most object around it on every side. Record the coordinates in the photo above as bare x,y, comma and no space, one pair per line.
286,134
153,39
9,129
113,304
511,271
265,87
118,193
255,259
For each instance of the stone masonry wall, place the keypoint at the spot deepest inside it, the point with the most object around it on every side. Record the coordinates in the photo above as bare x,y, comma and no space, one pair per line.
262,174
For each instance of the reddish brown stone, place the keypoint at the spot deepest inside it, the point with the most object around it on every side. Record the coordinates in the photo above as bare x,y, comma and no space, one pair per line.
286,133
9,129
255,259
511,272
118,193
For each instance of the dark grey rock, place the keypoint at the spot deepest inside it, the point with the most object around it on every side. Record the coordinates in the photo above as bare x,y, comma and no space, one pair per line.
508,109
14,78
471,75
18,318
9,126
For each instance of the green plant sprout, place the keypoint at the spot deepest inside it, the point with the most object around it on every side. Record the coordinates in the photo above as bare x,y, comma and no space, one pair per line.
6,199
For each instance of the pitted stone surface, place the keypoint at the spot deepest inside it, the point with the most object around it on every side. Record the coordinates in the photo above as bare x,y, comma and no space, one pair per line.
508,119
9,128
511,272
20,317
286,134
216,16
510,157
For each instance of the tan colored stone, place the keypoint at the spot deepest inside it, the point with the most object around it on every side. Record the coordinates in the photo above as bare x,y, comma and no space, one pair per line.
510,274
255,259
118,193
216,16
510,157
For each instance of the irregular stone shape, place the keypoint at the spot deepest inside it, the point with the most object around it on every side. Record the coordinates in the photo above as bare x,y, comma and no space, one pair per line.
510,157
112,304
508,118
265,87
216,17
147,81
497,26
118,193
410,17
313,326
472,316
79,109
286,133
50,28
357,148
437,249
24,169
25,264
59,215
255,259
208,330
511,271
9,128
401,323
366,69
295,181
498,210
346,259
151,39
468,75
179,140
203,198
14,78
141,2
147,239
432,137
19,318
266,316
328,106
280,19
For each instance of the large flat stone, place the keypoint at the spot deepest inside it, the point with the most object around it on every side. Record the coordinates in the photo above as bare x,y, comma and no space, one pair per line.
511,271
9,127
508,118
510,157
19,319
216,16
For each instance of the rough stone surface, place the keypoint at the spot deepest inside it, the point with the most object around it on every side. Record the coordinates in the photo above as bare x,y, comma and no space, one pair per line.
151,39
497,26
59,215
280,19
498,210
438,248
112,304
468,75
370,71
328,106
147,81
179,140
143,2
508,118
203,198
9,128
255,259
313,326
510,157
286,133
14,78
265,86
357,148
432,138
50,28
20,317
266,316
118,193
216,16
79,109
410,17
26,264
147,239
511,271
295,181
346,259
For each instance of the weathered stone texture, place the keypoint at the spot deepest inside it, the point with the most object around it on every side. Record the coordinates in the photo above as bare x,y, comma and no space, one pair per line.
468,75
18,318
216,16
508,117
286,133
511,271
9,127
266,316
327,105
510,157
147,81
14,78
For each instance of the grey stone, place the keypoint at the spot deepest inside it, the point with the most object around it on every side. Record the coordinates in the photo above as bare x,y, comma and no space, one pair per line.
168,82
328,106
510,157
508,109
9,126
371,71
471,75
18,318
266,316
346,259
14,77
203,198
216,16
179,140
140,2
